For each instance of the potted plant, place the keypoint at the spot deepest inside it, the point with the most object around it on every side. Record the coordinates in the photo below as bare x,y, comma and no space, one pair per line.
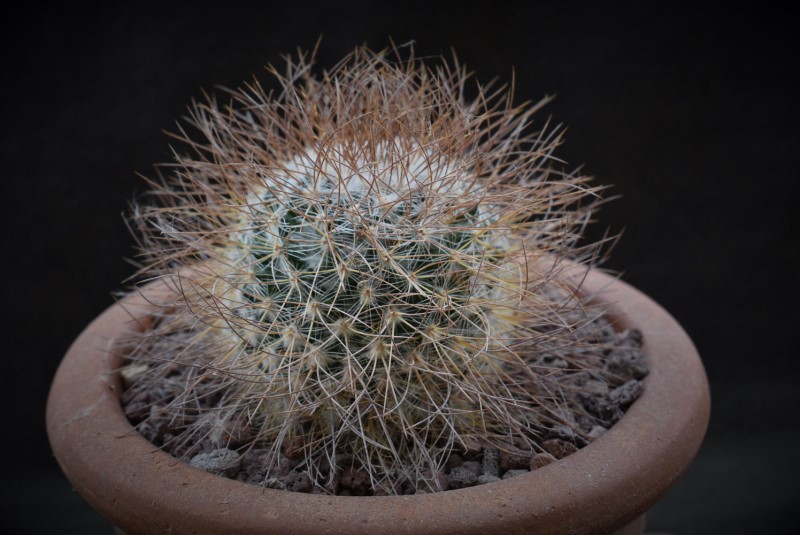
371,284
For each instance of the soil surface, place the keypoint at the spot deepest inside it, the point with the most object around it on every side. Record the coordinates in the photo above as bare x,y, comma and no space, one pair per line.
593,403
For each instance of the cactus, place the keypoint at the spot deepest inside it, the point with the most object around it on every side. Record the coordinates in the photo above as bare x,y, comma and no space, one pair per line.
369,272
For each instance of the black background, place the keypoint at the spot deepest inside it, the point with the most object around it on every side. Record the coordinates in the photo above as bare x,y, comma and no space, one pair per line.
691,115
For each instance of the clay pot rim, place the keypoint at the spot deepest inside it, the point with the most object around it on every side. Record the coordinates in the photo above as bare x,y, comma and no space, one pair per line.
597,489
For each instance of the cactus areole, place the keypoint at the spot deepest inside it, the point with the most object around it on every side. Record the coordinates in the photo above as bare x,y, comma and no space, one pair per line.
368,269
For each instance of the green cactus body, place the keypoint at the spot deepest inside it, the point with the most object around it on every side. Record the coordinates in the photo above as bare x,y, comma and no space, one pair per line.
347,290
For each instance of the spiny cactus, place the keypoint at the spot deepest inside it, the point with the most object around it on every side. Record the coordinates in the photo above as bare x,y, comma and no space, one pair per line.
369,271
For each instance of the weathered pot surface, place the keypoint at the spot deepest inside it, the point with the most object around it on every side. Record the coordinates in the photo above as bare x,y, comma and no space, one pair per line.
604,487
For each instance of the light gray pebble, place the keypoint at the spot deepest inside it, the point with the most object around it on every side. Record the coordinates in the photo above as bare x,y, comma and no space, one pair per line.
275,483
222,462
487,478
596,432
512,473
626,394
461,477
626,363
490,466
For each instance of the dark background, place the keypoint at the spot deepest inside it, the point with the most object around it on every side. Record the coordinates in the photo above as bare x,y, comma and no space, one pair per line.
690,114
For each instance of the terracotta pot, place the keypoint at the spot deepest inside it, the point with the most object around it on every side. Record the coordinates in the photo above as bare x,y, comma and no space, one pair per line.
605,487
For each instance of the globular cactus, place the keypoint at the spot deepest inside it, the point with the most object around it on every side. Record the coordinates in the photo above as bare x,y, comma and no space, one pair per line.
369,270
